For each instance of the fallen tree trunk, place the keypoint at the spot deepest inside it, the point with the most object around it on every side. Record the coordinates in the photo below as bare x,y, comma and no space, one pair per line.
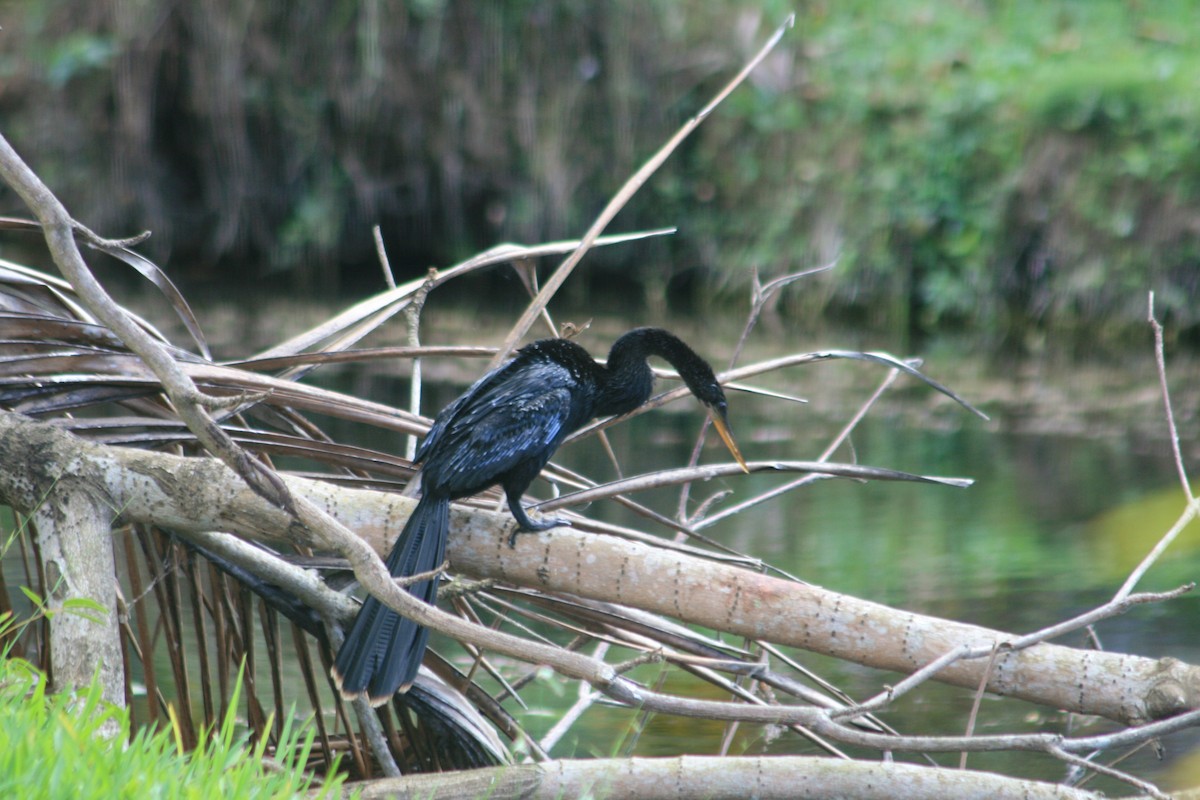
715,777
202,494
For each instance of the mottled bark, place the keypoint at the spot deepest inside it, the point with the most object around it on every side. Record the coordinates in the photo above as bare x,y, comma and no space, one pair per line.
715,777
71,520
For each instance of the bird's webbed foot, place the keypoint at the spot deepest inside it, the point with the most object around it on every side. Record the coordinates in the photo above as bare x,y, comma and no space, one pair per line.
526,525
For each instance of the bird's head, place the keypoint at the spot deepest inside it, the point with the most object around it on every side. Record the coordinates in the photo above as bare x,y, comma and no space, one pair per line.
629,353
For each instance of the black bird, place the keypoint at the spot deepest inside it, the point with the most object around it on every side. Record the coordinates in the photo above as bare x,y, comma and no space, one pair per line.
502,431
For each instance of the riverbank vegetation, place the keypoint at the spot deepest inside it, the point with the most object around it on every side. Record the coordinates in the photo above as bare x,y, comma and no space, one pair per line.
1021,169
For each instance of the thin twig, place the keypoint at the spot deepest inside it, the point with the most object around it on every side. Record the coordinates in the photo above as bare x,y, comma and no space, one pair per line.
1193,507
914,680
673,477
978,701
381,253
1112,608
773,364
368,723
630,188
585,700
413,312
1116,774
859,415
1160,361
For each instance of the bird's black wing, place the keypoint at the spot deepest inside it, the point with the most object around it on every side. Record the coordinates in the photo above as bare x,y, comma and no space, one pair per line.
450,412
518,414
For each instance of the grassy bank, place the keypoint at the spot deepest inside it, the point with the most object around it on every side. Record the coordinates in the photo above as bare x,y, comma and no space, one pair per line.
75,746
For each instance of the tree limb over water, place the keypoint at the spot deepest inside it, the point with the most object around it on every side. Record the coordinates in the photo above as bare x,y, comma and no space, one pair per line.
199,494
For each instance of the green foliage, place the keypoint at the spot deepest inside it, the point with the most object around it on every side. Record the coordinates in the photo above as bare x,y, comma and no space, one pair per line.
978,159
75,746
995,164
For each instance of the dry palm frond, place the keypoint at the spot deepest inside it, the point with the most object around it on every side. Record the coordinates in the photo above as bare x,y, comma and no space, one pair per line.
192,617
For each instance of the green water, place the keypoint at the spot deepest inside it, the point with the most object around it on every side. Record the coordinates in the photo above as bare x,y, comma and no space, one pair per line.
1050,529
1074,483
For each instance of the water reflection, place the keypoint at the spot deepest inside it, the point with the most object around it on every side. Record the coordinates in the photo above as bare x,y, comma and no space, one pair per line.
1050,529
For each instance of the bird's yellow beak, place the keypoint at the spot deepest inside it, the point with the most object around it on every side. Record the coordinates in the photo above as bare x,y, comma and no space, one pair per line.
727,438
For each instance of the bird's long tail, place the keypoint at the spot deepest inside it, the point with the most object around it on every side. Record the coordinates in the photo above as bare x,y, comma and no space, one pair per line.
383,650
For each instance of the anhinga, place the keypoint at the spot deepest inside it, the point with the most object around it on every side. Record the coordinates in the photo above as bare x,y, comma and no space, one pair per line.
502,431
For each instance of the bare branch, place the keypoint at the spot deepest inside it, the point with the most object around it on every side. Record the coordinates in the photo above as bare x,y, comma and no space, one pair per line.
673,477
1193,505
1160,361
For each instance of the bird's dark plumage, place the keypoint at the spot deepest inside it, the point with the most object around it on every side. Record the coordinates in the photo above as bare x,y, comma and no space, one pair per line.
502,431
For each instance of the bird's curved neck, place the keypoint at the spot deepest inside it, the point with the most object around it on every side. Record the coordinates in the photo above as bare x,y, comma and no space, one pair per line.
628,379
